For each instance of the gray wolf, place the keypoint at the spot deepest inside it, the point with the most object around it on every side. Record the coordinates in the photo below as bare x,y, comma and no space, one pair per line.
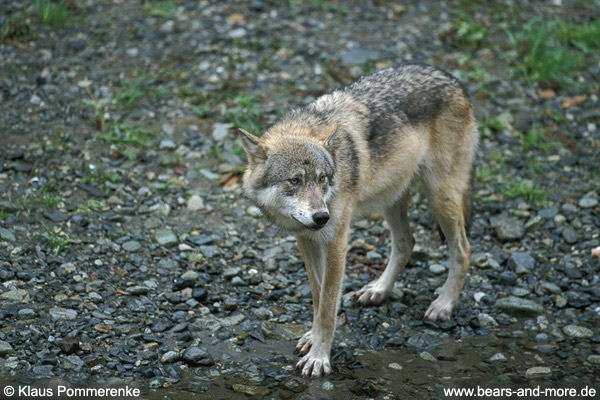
356,151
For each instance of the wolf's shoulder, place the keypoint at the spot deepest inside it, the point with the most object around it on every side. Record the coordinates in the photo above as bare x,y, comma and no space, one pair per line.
404,78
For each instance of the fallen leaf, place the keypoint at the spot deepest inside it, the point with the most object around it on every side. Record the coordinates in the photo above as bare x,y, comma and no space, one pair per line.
103,328
237,18
546,94
179,170
573,101
232,181
119,291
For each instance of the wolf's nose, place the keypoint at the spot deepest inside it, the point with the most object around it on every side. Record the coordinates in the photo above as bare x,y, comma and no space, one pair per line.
321,218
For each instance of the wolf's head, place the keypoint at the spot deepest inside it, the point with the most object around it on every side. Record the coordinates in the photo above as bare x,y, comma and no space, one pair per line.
291,177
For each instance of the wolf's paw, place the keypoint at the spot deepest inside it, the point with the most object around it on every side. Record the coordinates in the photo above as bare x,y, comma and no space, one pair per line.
441,309
371,293
314,365
305,343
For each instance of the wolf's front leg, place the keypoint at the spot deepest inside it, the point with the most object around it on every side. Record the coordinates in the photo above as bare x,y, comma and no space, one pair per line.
317,361
313,253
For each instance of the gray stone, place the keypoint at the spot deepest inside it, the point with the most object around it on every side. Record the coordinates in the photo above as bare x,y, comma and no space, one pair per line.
509,229
195,203
232,320
536,372
169,357
16,296
254,211
220,131
262,313
237,281
231,272
373,255
5,234
576,331
58,313
594,359
522,262
197,356
437,269
131,246
165,237
550,287
425,355
497,357
548,212
5,348
518,306
190,275
359,56
167,143
487,321
570,235
588,202
139,290
254,391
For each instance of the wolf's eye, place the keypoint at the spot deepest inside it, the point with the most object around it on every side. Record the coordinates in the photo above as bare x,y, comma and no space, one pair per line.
322,178
294,181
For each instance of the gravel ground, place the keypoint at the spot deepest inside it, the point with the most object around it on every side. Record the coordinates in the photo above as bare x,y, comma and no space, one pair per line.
128,256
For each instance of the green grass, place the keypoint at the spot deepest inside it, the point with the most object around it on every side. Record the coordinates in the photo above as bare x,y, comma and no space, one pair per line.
586,37
532,194
246,113
56,238
98,116
17,28
53,13
535,139
160,9
131,92
49,199
122,135
552,50
469,31
490,126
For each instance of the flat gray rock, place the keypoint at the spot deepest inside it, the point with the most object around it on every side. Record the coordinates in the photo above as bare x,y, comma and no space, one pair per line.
165,237
58,313
519,306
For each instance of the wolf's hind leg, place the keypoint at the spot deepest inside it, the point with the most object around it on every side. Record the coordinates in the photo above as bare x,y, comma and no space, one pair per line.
448,205
402,244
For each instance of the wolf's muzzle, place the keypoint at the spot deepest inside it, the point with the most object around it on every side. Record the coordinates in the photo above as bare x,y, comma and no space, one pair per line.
320,218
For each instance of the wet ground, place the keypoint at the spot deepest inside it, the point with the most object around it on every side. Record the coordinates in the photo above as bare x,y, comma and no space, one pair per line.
129,257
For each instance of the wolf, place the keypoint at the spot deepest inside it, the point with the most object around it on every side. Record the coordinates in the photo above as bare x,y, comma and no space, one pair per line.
356,151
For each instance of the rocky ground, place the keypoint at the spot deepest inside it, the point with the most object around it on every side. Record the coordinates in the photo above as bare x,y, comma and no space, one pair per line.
128,256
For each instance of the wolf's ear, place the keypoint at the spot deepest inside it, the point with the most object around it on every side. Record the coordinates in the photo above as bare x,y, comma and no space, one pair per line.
327,134
253,145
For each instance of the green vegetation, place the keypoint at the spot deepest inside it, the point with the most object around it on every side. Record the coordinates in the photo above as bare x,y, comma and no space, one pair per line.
490,126
53,13
126,135
535,139
532,194
552,50
56,238
469,31
245,113
49,199
98,117
159,8
131,91
17,28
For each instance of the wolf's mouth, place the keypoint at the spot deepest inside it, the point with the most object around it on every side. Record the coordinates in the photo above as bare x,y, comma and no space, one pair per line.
311,227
